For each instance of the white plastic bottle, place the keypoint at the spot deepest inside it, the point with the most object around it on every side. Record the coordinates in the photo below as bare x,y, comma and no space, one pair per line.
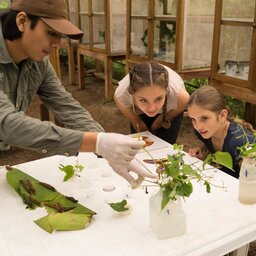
247,181
169,222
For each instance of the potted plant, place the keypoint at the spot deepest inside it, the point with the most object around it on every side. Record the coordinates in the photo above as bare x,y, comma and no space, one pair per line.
167,217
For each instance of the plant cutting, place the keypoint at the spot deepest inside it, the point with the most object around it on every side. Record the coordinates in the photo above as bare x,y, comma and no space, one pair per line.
71,170
167,217
119,206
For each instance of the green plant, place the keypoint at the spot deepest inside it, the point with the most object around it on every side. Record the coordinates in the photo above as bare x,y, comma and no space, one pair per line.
248,149
101,34
71,170
119,206
4,4
89,62
175,175
236,106
119,70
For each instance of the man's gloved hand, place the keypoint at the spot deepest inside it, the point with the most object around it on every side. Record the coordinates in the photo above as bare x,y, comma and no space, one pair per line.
123,170
118,148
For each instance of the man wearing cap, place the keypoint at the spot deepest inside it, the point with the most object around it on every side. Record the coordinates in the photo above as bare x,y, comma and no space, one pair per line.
29,31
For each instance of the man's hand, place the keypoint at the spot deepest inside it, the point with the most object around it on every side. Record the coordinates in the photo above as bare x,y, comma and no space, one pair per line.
118,148
124,171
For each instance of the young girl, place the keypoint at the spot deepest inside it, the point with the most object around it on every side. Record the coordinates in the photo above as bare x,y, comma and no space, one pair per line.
153,97
216,127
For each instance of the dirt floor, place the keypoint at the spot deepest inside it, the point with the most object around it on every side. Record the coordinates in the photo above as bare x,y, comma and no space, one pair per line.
107,114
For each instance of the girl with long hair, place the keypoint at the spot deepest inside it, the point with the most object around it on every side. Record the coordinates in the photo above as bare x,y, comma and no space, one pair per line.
217,127
153,97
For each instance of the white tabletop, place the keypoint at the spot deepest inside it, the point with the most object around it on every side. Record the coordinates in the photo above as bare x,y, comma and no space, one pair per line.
216,223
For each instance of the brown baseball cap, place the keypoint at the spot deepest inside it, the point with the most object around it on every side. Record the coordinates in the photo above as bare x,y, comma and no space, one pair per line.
53,12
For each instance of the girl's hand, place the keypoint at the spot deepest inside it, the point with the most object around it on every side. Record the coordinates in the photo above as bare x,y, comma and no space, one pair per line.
198,152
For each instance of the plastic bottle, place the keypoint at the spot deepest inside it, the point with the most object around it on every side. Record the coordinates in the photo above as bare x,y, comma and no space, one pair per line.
169,222
247,181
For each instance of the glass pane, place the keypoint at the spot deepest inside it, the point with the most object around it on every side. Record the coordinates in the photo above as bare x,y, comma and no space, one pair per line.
234,53
165,7
139,7
139,37
198,34
83,5
164,40
98,6
84,28
99,31
117,27
238,9
73,12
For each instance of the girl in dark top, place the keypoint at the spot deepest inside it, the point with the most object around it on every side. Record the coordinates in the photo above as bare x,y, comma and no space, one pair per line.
217,128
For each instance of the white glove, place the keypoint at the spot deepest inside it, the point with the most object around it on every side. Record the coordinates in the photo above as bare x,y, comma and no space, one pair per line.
123,170
118,148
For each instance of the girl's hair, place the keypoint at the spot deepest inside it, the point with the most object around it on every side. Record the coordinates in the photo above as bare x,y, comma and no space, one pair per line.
148,74
9,26
210,98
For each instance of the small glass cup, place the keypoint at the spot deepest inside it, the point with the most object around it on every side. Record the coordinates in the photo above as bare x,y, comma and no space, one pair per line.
244,68
231,67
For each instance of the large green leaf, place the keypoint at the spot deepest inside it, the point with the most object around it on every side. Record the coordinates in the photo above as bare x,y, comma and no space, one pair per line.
224,159
64,221
173,169
65,213
221,158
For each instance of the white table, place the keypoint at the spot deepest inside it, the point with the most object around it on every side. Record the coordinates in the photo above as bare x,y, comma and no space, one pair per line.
216,223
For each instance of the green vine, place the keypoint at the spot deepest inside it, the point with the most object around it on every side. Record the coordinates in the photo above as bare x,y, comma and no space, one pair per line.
175,175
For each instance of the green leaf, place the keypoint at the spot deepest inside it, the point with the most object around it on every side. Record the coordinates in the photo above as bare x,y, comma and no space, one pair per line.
79,167
64,212
208,187
69,170
247,150
208,160
178,147
221,158
166,196
188,170
63,221
119,206
224,159
173,169
185,189
44,224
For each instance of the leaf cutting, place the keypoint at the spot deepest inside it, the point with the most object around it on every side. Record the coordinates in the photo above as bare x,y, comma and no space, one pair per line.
64,213
119,206
71,170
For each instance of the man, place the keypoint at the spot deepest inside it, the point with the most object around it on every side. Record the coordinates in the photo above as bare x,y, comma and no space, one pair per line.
28,33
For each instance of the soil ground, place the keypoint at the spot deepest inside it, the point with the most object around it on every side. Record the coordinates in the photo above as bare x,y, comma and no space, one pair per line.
107,114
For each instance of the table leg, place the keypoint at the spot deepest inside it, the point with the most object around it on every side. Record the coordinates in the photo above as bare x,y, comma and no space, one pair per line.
242,251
